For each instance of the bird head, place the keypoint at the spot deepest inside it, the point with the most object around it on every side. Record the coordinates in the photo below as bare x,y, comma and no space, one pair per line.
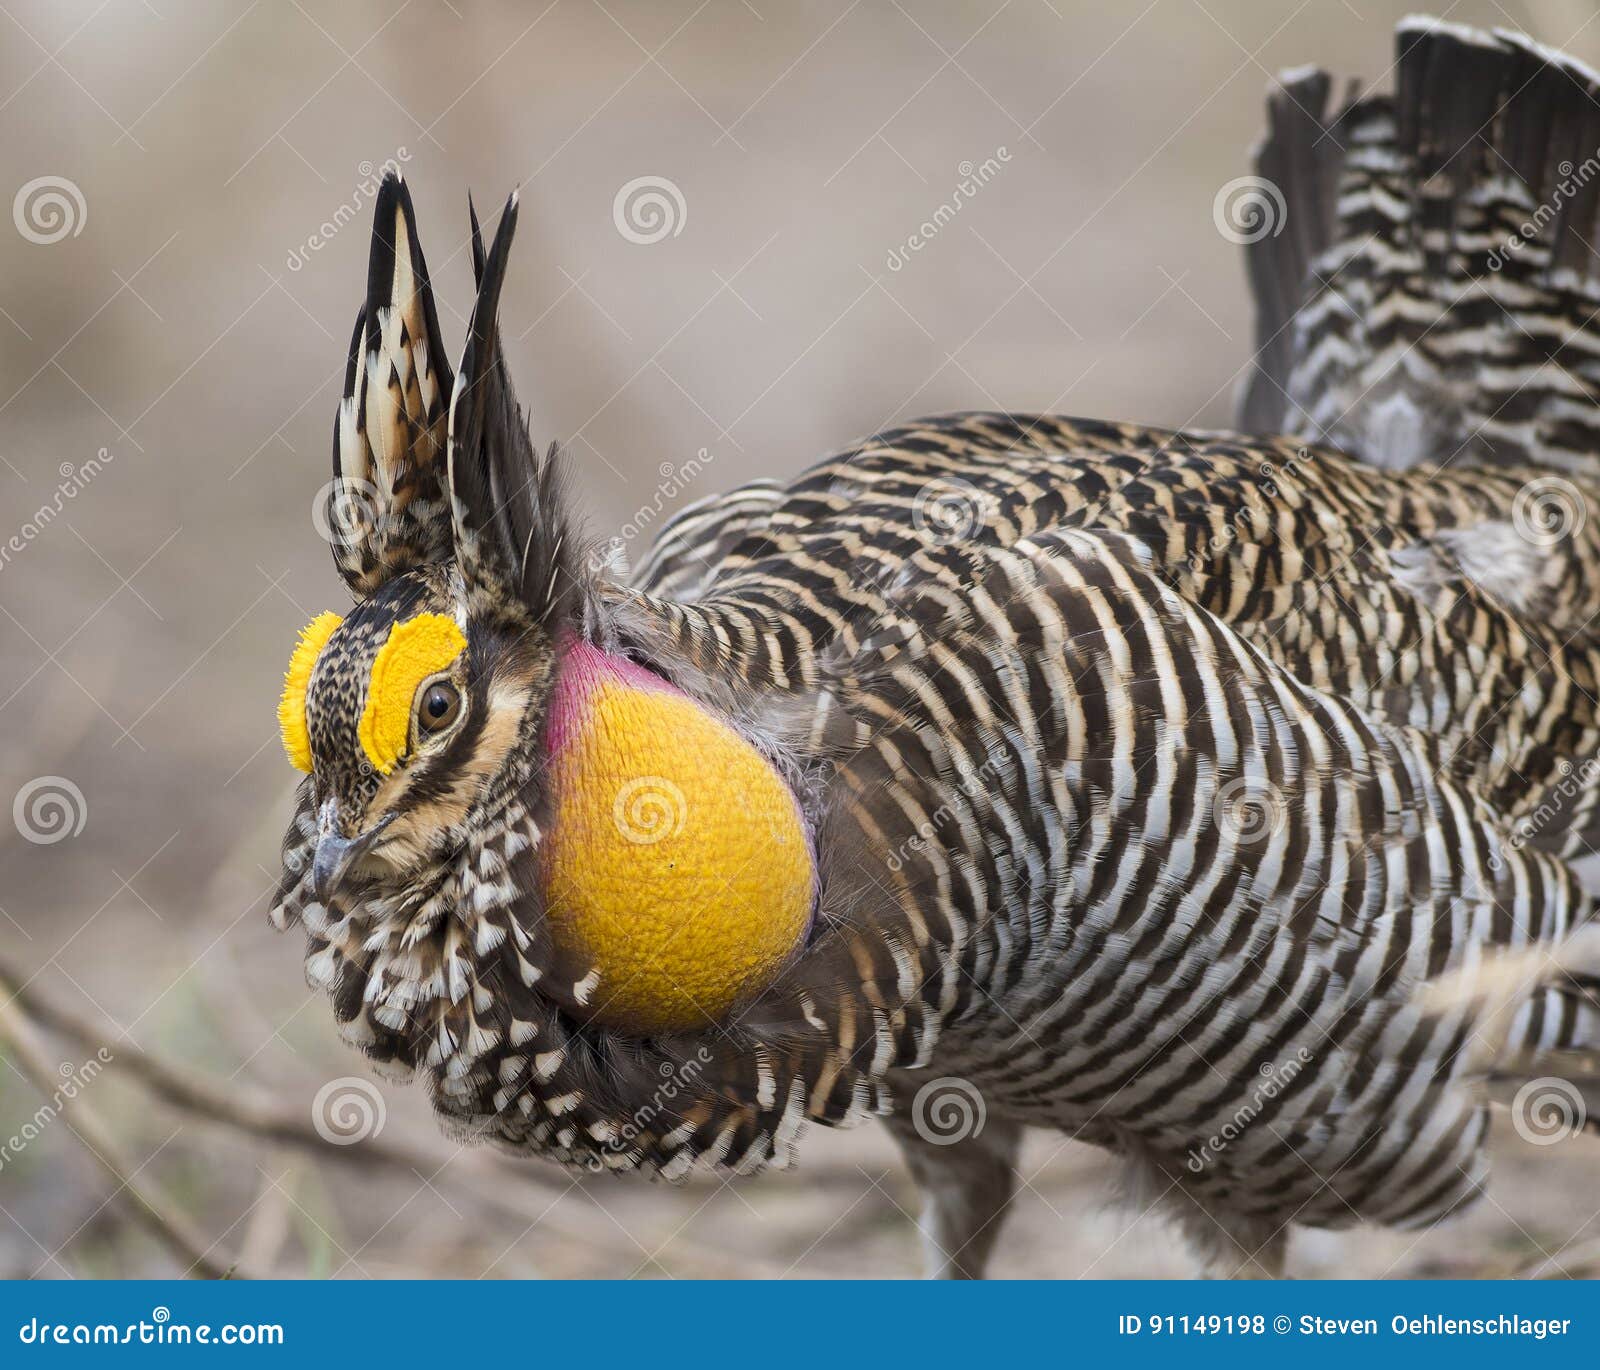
405,712
485,769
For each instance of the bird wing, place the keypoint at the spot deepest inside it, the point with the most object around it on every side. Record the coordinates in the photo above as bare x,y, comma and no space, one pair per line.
1065,792
689,549
1166,861
1438,601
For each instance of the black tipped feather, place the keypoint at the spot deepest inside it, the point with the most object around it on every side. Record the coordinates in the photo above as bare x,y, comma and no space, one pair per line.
511,531
386,509
477,242
392,213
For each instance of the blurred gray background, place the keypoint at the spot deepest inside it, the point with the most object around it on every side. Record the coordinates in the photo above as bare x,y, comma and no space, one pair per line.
184,303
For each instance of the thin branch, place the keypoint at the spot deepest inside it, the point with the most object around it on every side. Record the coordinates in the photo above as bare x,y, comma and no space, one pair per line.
248,1109
239,1105
145,1203
1580,1261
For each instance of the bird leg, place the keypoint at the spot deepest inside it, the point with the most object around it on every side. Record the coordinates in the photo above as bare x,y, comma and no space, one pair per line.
966,1187
1230,1247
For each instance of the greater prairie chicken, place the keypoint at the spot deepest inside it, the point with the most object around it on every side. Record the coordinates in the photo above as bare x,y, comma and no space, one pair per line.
1210,798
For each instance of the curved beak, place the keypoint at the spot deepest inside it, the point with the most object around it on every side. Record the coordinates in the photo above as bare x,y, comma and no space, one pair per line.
336,853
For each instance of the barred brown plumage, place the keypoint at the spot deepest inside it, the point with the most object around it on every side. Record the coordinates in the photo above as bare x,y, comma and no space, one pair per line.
1208,798
1437,293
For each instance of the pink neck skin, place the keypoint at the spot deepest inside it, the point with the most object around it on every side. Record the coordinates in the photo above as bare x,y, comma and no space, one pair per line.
583,669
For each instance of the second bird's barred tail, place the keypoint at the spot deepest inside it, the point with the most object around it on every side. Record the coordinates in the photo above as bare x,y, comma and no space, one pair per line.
1426,291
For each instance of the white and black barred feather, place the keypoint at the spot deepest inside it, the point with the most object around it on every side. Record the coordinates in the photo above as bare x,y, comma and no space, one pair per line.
1431,292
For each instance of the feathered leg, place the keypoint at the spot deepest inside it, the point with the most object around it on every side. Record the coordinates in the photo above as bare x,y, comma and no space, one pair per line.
1231,1247
966,1188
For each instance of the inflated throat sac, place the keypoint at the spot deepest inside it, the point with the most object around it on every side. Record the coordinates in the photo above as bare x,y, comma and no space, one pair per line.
678,865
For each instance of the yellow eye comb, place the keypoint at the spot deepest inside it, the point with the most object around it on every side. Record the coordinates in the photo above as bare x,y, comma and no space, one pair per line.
416,649
292,707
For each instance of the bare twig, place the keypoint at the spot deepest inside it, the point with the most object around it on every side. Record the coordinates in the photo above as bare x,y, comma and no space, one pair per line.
267,1229
248,1109
239,1105
1580,1261
145,1203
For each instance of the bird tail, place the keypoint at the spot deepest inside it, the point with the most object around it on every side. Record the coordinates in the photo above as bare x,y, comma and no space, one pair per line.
1550,1080
1424,283
1535,1037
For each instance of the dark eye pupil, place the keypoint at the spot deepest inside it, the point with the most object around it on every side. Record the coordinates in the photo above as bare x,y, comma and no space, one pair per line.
440,705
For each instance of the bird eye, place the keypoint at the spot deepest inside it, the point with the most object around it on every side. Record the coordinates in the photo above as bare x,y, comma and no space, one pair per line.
439,707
